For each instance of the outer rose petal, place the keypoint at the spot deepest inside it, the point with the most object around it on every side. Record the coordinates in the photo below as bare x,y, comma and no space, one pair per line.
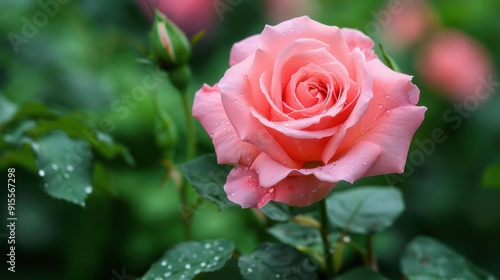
207,108
242,187
391,119
354,164
356,39
243,49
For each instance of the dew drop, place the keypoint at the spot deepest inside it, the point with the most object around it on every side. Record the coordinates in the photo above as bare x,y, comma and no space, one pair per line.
365,163
211,135
363,132
277,276
346,239
167,274
66,176
41,172
187,266
169,266
287,124
388,111
216,258
203,264
207,246
163,263
70,168
380,106
158,278
233,194
88,189
54,166
271,190
250,270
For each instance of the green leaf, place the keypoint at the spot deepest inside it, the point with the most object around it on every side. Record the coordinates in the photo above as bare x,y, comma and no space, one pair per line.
491,176
426,258
208,179
273,261
365,209
7,109
277,211
361,273
64,164
75,126
188,259
388,60
296,235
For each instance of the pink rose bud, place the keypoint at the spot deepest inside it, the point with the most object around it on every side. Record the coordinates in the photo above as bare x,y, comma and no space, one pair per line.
170,46
304,106
454,63
191,16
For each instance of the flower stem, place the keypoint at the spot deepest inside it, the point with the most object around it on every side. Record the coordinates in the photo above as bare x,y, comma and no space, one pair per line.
325,229
371,261
191,133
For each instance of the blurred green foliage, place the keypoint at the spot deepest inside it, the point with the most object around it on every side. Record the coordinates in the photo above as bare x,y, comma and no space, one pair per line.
85,59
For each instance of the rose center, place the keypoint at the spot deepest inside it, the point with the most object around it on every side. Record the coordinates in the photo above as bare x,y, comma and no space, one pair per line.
317,91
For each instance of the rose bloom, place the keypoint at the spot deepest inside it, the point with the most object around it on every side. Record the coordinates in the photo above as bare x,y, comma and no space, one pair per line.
454,63
406,23
192,16
302,107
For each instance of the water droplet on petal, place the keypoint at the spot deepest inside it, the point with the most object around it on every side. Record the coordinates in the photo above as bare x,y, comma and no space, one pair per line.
388,111
211,135
380,106
233,194
365,163
287,124
363,132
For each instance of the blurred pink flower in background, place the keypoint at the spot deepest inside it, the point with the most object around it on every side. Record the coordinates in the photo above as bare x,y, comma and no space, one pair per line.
407,22
281,10
454,63
191,16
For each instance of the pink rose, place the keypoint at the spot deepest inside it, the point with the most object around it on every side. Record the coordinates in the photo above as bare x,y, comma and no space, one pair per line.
192,16
454,63
405,23
302,107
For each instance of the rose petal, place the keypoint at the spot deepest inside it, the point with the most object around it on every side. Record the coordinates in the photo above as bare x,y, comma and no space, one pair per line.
242,187
391,119
356,39
208,109
234,89
354,164
243,49
365,95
